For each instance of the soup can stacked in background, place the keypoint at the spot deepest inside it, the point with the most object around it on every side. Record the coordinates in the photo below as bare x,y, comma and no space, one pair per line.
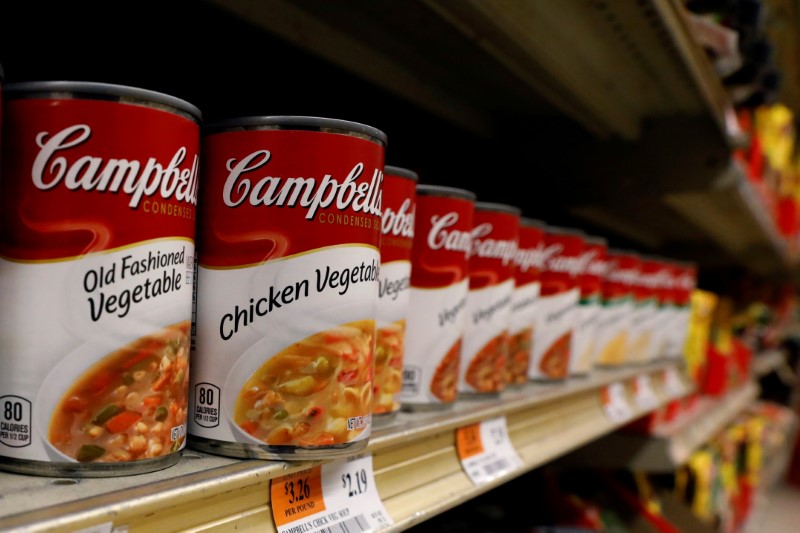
397,229
591,303
684,284
643,339
558,304
484,348
99,189
288,248
527,271
614,322
437,303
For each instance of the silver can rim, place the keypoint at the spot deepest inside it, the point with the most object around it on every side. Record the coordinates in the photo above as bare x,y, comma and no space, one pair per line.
97,91
499,208
425,189
401,172
296,122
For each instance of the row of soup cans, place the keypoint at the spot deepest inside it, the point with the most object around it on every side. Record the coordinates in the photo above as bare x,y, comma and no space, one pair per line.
325,286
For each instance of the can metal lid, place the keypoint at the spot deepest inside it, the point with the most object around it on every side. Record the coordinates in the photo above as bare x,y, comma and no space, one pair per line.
532,222
293,122
442,190
620,251
594,239
402,172
560,230
96,91
503,208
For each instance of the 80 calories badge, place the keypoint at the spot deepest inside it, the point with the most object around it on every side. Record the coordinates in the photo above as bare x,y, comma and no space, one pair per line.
340,493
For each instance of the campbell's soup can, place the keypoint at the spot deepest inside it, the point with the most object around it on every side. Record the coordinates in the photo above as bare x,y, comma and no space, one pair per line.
394,278
611,342
438,298
287,294
643,333
527,284
665,313
98,188
594,268
557,305
484,349
684,283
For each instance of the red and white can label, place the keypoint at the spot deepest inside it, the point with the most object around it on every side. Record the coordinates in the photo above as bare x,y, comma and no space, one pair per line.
96,271
399,207
615,317
528,266
684,283
591,304
491,283
439,287
287,288
644,335
557,306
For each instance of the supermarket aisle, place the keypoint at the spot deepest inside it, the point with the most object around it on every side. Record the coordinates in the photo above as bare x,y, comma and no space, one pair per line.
778,513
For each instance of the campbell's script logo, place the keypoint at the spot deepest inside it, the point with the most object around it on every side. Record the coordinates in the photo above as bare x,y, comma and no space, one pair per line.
399,223
597,266
561,263
684,282
623,276
442,236
309,193
654,280
530,258
90,173
491,248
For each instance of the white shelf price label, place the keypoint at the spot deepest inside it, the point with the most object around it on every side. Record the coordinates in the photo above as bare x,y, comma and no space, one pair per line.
673,384
486,451
341,493
612,398
645,397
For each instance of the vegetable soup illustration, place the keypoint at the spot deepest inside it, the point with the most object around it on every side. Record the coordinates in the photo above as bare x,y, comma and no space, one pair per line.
131,405
314,392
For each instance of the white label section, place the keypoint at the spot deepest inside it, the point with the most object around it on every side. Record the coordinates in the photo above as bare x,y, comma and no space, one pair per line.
246,316
661,330
645,397
583,338
352,502
673,384
436,319
555,319
612,330
640,332
393,292
678,332
614,403
488,311
524,301
498,457
60,318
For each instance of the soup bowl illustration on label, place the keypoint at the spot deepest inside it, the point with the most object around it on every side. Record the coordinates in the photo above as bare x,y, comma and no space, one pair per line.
296,394
112,401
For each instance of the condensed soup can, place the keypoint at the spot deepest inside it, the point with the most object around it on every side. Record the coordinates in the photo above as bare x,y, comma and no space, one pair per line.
98,191
665,314
643,330
527,271
684,283
288,250
484,347
394,278
618,307
590,305
558,304
437,303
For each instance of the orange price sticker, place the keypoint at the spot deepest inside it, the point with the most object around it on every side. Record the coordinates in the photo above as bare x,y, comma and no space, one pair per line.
468,441
297,495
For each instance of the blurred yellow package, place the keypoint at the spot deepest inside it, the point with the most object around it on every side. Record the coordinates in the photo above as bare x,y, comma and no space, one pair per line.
703,305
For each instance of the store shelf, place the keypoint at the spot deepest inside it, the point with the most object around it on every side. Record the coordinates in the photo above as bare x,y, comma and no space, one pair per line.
671,444
413,457
766,362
